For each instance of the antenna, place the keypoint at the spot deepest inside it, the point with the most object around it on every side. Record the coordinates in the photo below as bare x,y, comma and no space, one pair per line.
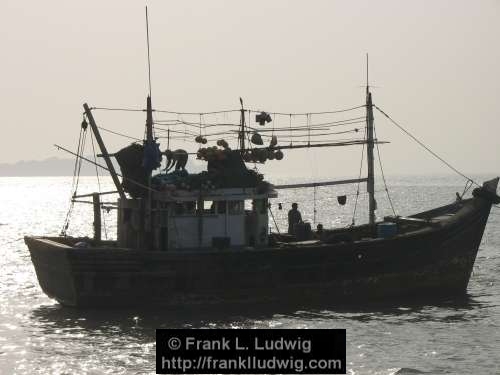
370,183
367,82
149,58
149,110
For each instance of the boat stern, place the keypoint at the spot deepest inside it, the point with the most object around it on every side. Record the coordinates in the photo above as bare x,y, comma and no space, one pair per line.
52,267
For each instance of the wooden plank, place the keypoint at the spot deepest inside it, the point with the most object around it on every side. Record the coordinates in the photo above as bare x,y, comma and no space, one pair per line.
97,217
92,194
325,183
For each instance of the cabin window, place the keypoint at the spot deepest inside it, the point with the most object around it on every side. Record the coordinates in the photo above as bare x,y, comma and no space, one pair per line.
248,205
235,207
209,207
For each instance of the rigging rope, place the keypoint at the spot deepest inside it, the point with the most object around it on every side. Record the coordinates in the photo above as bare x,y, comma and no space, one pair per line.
468,185
425,147
117,109
120,134
76,173
357,189
227,111
318,113
274,220
383,175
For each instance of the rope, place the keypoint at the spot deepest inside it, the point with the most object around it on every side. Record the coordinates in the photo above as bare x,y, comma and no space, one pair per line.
118,109
226,111
425,147
319,126
468,185
76,174
275,224
309,135
383,175
120,134
196,113
317,113
354,120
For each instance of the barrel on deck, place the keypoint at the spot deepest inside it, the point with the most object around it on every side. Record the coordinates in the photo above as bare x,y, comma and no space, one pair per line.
302,231
387,230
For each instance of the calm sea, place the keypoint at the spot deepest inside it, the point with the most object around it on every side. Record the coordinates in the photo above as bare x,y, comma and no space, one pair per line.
38,336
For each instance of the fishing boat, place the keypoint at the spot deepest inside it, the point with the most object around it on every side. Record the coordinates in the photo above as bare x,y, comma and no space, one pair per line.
204,239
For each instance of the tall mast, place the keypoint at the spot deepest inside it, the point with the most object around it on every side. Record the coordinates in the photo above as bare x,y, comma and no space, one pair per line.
241,135
149,118
149,145
149,121
370,185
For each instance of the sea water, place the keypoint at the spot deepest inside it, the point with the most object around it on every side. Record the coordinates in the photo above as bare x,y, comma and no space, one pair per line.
38,336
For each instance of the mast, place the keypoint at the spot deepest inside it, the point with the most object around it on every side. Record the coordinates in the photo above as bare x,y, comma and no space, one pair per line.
104,152
241,136
149,121
370,184
149,149
149,118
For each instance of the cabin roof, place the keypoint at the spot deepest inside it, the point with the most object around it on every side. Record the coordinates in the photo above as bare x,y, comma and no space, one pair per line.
227,194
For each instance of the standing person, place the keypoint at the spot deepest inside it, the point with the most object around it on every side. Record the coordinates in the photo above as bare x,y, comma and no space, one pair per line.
294,217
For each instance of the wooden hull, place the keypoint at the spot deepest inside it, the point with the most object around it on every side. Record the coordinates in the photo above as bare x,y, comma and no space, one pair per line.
434,261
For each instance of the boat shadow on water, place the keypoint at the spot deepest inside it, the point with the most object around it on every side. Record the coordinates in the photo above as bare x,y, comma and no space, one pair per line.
142,323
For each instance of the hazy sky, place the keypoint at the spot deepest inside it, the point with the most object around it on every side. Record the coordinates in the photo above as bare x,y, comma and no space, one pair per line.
436,65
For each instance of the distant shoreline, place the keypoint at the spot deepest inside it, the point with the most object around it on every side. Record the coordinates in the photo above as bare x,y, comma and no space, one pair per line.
56,167
51,167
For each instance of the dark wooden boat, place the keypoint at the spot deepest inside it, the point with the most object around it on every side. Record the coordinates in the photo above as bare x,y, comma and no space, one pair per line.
188,239
432,255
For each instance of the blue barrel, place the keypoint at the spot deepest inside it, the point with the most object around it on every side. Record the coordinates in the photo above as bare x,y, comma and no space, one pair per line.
387,230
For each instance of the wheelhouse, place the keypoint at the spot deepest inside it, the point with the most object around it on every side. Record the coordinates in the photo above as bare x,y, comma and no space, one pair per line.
183,220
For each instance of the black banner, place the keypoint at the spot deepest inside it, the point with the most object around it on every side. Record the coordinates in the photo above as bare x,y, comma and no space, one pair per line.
250,351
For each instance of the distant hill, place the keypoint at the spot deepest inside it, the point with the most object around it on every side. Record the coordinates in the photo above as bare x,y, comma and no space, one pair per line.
64,167
48,167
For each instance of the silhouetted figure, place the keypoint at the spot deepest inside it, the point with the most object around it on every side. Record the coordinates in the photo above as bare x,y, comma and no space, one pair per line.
294,217
177,158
